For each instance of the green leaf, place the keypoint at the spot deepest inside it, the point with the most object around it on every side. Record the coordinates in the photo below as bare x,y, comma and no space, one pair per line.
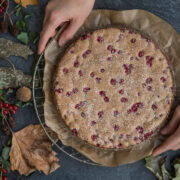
21,25
19,104
27,104
33,36
18,10
23,37
26,16
9,142
1,91
9,91
5,153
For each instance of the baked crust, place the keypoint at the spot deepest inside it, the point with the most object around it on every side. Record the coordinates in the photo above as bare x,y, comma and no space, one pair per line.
114,88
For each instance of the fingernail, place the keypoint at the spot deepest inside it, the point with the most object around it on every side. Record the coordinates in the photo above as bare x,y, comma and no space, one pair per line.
61,42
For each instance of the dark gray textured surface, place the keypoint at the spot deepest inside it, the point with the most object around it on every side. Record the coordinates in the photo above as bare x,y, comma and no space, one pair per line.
70,169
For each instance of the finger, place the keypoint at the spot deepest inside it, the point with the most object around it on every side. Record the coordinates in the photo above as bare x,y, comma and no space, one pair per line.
173,123
169,144
69,32
47,32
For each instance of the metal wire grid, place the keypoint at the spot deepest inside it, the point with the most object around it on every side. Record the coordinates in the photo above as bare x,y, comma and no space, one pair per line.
38,98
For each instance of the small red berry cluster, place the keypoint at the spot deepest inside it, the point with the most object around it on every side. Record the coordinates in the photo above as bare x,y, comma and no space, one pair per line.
3,6
3,171
8,108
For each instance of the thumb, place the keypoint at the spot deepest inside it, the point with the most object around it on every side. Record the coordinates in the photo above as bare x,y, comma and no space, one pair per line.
69,32
173,123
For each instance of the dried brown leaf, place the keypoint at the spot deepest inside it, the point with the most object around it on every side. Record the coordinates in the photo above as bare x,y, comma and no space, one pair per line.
31,149
25,3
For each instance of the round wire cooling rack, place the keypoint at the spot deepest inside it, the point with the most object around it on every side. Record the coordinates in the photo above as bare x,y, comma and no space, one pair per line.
38,98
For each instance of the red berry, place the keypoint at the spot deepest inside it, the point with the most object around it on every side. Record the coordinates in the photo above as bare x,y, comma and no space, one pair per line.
92,74
113,82
1,105
74,132
109,58
100,39
98,80
102,70
133,40
121,91
5,112
6,105
149,60
110,47
76,63
75,90
102,93
80,73
69,93
94,137
154,107
1,11
121,81
100,114
4,178
93,123
65,70
149,88
124,99
77,106
141,53
83,115
113,51
13,112
2,8
4,171
140,129
149,80
5,3
116,127
84,37
60,90
10,108
86,89
120,52
116,113
106,99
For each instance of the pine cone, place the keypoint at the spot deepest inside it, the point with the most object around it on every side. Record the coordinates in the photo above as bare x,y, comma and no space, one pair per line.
4,26
13,30
12,122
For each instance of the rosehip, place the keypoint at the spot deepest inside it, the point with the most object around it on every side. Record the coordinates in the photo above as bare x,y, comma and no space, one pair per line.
1,104
4,178
15,108
10,108
6,105
4,171
13,112
5,3
5,112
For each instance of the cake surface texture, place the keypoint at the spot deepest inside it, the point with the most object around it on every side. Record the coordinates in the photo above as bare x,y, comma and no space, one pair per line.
113,88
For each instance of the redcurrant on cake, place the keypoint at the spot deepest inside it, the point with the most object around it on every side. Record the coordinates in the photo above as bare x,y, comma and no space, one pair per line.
114,88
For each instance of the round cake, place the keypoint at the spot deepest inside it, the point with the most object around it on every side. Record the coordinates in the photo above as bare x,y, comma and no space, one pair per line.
113,88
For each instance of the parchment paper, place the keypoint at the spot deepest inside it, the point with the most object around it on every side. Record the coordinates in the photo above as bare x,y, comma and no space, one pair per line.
159,30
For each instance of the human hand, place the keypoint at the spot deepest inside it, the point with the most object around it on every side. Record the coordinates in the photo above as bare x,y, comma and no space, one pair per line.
172,129
59,11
